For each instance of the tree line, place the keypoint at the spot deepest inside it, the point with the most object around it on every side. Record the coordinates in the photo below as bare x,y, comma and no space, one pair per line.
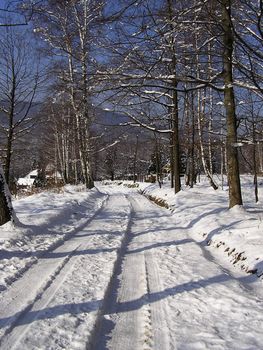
188,72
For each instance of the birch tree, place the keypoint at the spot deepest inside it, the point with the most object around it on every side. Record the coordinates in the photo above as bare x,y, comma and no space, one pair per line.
147,73
217,19
70,31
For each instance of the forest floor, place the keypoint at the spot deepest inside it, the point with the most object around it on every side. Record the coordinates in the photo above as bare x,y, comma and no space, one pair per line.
109,269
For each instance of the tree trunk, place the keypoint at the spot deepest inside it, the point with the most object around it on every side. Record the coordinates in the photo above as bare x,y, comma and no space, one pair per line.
210,122
5,201
8,156
158,162
235,197
171,157
260,156
175,110
192,142
11,122
200,112
255,165
255,177
82,119
135,159
175,145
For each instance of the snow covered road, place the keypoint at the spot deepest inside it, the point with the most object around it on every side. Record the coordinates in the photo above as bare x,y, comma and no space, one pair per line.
130,320
55,302
171,294
130,278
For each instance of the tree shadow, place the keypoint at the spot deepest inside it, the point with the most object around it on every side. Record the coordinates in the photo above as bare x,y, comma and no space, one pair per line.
218,230
155,227
74,208
29,316
161,244
52,254
114,307
204,215
78,232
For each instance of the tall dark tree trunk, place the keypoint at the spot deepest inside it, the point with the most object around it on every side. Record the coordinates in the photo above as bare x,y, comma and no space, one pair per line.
8,157
9,147
174,110
9,144
235,197
5,201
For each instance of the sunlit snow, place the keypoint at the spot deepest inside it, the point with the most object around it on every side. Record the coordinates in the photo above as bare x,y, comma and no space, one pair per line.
108,269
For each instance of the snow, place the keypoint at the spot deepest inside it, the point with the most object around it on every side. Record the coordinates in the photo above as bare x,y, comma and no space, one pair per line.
236,233
45,219
25,181
54,175
108,269
29,179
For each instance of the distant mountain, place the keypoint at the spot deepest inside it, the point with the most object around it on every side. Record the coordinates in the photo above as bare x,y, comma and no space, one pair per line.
20,110
116,123
106,117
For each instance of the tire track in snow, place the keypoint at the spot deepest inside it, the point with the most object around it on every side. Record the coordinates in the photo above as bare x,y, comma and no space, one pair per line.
158,309
156,336
131,319
19,274
17,298
22,323
103,324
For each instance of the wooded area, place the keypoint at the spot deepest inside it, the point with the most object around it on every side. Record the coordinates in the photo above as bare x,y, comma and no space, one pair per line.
113,89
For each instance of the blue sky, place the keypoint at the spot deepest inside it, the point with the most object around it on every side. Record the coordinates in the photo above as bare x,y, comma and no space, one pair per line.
12,17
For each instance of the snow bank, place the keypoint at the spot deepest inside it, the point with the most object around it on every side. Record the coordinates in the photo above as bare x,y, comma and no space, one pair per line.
236,233
44,221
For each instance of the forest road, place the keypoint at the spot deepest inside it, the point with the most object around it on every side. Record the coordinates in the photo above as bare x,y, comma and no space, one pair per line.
94,290
54,303
131,318
169,293
131,279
